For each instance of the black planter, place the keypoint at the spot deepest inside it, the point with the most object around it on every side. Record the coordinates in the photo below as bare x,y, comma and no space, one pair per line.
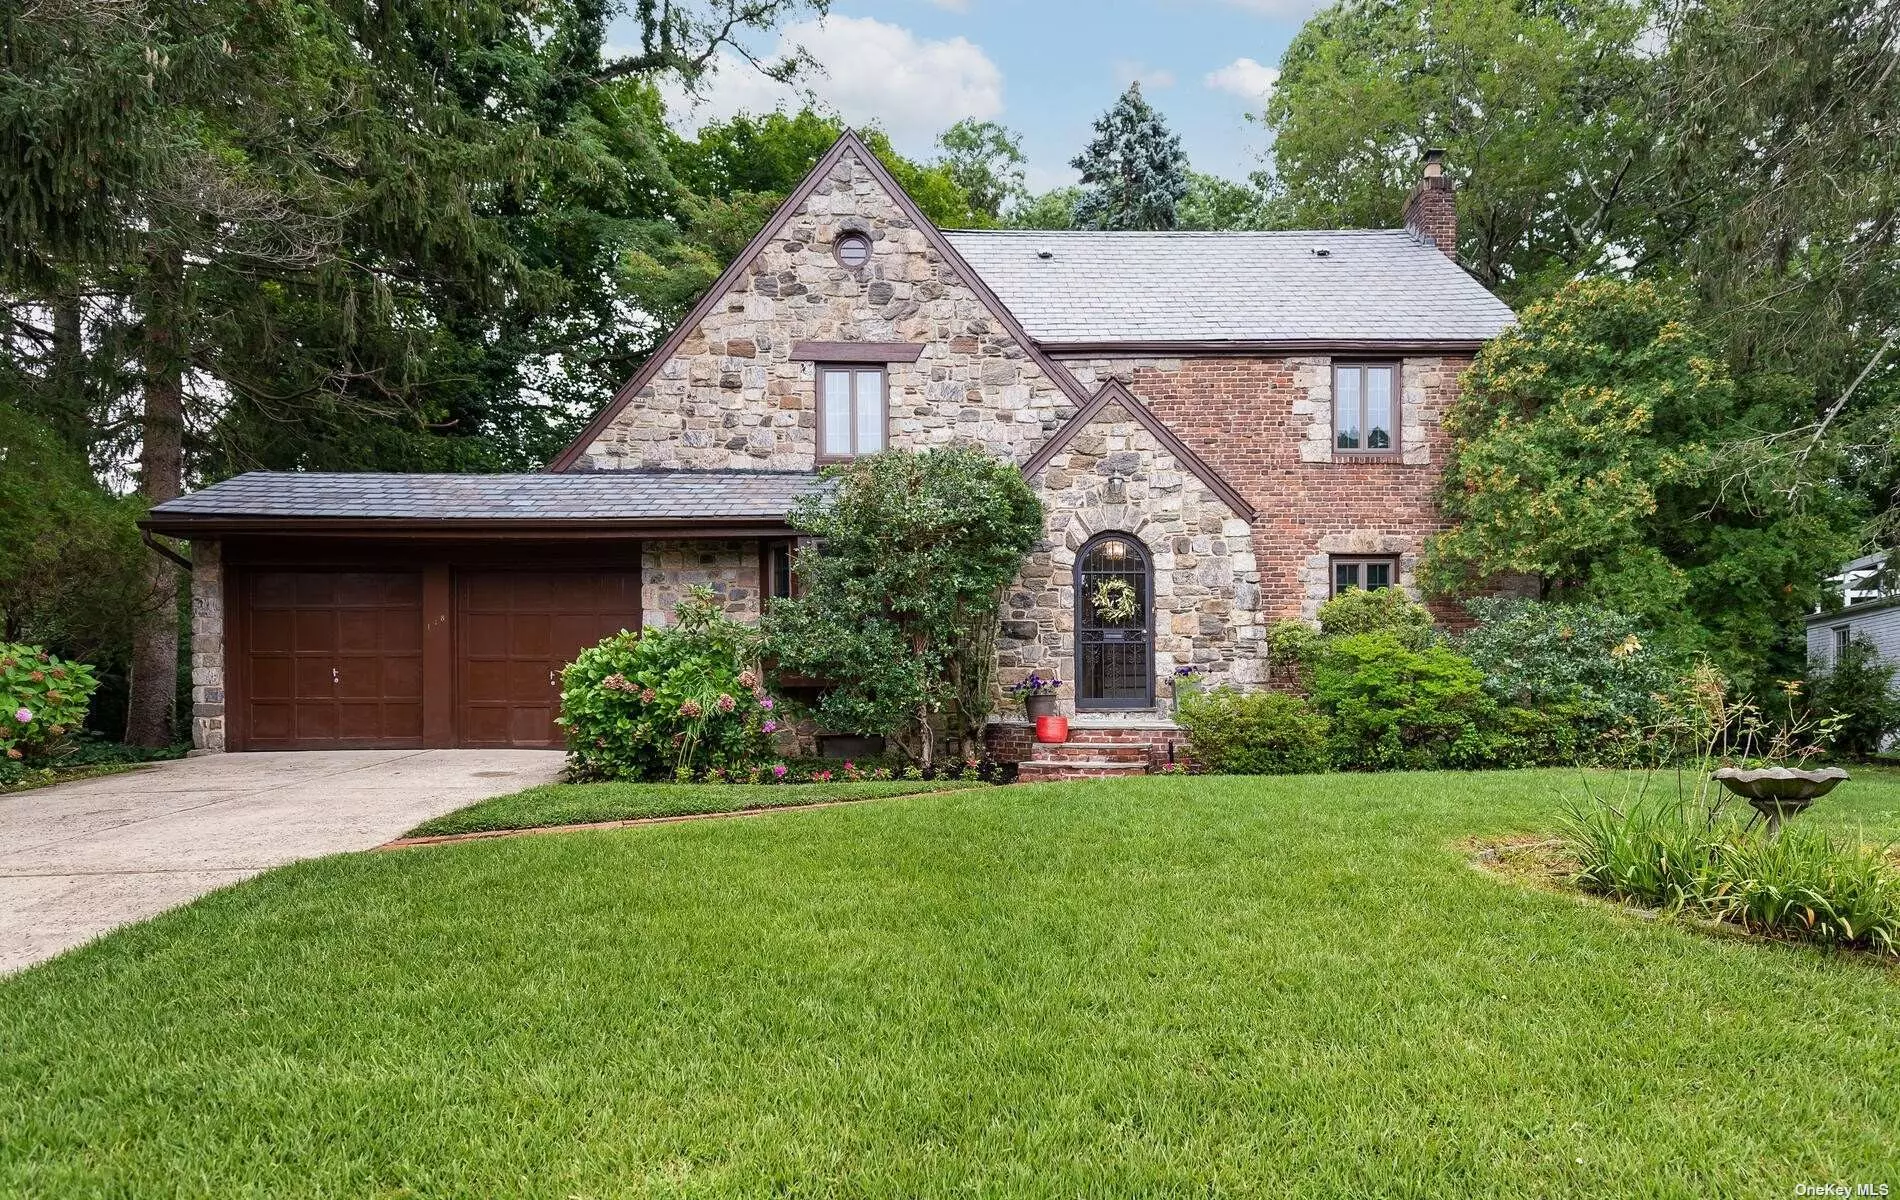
1040,706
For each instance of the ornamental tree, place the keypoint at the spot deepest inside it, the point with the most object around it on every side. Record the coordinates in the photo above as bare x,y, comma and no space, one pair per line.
1583,458
912,554
1134,173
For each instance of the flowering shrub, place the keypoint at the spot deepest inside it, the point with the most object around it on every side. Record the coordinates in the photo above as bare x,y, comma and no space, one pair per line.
669,703
42,701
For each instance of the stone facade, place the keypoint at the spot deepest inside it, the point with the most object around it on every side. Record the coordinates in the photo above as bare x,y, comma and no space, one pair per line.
207,646
733,397
1115,476
1265,424
669,570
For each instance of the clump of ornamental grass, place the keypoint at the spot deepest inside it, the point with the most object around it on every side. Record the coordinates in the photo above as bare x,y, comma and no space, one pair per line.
1684,849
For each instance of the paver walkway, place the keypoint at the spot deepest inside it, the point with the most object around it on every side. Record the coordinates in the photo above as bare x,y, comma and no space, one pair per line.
79,859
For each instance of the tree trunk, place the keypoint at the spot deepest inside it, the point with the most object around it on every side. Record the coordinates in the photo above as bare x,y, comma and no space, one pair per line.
68,370
154,684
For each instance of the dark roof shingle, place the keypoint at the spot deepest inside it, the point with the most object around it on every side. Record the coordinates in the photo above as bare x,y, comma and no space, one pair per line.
1129,286
607,495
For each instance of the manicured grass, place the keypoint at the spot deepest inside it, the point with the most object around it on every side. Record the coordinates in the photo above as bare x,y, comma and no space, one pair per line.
584,803
1161,986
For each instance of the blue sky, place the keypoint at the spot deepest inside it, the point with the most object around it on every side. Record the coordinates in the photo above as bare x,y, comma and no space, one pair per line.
1046,68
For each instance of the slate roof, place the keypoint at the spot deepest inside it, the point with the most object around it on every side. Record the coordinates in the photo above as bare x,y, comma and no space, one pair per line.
1372,284
625,495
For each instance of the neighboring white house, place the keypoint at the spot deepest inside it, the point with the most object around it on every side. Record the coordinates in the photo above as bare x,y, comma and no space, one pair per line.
1868,610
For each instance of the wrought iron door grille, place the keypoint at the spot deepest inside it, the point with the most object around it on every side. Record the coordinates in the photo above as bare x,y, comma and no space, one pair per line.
1115,654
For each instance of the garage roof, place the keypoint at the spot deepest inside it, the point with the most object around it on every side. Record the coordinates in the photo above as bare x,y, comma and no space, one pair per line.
630,498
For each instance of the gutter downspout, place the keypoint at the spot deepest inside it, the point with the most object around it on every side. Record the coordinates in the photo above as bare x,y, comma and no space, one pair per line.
145,535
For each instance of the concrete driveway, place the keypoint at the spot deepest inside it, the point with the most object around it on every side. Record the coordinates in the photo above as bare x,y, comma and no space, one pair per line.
79,859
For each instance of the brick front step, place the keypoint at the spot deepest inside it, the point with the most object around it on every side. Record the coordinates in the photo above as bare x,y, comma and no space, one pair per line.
1080,750
1053,772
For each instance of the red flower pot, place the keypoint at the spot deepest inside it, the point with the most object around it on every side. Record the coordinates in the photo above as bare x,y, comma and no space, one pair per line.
1052,730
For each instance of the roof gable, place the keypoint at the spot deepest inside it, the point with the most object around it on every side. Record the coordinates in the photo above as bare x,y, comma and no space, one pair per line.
1116,393
732,277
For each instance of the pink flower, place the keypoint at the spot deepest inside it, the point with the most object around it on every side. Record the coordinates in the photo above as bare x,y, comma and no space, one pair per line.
748,679
647,697
769,727
690,708
766,704
778,771
23,716
726,703
823,777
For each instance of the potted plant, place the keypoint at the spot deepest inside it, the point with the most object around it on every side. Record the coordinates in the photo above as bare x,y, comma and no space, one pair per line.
1038,694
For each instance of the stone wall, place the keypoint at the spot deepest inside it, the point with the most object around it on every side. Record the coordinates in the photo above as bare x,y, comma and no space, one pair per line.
207,646
1265,425
668,570
1114,476
732,397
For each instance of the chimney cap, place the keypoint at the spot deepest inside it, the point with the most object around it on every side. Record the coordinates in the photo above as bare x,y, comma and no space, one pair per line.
1434,162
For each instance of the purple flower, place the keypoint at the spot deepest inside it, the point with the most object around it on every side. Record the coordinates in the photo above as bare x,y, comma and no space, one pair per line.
769,727
766,704
23,716
778,771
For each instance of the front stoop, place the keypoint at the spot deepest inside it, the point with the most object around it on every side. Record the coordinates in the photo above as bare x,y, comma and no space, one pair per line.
1106,750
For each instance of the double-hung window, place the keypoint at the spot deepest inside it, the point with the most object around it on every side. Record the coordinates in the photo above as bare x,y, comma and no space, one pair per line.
853,417
1366,409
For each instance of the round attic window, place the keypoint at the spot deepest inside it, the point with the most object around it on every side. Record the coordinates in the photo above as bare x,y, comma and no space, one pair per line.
852,250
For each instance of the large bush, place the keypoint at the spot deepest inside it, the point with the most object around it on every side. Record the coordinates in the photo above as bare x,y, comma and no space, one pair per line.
42,702
1258,733
1856,690
1382,610
913,552
1603,672
1395,706
667,702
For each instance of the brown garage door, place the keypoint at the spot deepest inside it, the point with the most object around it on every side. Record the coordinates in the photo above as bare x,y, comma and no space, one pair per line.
333,660
515,630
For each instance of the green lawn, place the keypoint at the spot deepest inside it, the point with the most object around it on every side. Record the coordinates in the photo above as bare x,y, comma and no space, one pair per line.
584,803
1158,986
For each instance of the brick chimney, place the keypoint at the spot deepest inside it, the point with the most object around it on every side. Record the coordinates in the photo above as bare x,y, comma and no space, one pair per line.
1429,211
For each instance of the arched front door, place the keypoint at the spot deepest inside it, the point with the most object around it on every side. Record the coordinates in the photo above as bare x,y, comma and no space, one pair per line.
1114,632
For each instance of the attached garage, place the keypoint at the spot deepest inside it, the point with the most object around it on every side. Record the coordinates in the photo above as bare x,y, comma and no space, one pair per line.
415,611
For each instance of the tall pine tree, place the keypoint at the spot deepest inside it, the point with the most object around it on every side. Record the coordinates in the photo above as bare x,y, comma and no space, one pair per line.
1134,172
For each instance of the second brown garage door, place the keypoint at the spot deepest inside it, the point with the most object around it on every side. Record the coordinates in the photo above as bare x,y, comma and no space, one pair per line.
515,630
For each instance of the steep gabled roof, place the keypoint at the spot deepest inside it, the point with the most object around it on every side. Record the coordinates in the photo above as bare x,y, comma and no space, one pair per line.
1369,285
1114,392
848,143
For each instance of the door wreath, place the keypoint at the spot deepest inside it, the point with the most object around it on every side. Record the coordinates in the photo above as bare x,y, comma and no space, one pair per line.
1115,600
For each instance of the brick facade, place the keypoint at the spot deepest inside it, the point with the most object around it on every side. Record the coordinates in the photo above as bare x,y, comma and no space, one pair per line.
1253,419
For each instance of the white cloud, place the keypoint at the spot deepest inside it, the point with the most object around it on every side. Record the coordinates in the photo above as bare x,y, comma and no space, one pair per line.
873,72
1286,10
1244,78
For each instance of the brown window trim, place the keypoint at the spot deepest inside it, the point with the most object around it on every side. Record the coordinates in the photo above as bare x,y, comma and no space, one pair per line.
1397,449
818,394
1333,563
776,581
